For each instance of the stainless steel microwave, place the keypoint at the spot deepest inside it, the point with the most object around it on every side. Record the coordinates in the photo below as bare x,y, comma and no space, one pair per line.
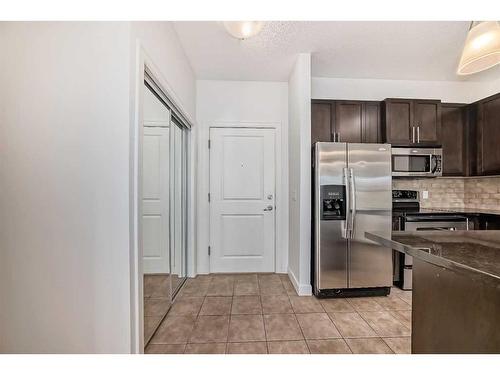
417,162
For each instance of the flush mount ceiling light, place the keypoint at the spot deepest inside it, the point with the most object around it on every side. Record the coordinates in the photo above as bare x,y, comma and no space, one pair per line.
482,48
243,29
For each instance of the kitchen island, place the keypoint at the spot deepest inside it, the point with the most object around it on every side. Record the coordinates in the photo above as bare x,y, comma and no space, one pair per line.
456,289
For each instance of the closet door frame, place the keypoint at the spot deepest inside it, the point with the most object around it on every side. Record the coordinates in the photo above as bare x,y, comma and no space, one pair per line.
144,68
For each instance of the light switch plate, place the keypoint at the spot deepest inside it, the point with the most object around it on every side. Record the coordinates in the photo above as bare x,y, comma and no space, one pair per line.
425,194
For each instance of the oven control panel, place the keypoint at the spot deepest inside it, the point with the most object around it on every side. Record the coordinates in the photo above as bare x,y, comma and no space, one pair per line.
405,194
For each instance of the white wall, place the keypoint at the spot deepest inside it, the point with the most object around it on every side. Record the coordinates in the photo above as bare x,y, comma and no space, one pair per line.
68,104
235,103
490,88
299,107
161,43
64,182
379,89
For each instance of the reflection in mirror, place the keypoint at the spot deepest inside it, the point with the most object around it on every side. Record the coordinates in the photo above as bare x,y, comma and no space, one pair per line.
178,186
164,207
155,211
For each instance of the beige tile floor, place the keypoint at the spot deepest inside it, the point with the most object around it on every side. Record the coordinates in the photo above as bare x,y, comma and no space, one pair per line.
261,313
157,300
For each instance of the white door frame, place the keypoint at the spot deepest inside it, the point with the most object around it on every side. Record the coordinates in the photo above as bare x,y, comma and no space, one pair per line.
281,191
141,62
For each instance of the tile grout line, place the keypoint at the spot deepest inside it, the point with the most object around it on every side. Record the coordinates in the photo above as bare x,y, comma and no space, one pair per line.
337,328
195,322
380,337
230,319
302,331
391,314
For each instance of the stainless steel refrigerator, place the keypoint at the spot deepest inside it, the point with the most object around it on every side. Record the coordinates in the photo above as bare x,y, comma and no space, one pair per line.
352,195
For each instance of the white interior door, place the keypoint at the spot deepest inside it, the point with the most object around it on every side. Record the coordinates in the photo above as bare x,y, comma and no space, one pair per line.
155,186
242,200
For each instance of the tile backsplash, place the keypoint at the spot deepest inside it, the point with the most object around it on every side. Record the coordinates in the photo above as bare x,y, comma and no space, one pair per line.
454,192
482,193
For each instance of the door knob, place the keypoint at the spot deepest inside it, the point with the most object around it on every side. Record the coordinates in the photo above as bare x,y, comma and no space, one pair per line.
268,208
270,196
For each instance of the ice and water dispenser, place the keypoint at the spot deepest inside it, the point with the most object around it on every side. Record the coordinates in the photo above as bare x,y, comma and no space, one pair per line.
333,205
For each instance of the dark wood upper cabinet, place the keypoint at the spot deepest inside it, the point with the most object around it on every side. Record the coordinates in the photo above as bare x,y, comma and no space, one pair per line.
427,120
321,122
411,121
397,120
454,130
371,124
348,121
345,121
471,139
488,136
469,134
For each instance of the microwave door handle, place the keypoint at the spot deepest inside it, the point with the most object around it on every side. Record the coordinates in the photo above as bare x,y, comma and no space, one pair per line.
433,164
353,200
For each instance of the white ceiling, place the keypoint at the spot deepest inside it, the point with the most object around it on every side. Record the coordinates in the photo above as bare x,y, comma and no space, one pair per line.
381,50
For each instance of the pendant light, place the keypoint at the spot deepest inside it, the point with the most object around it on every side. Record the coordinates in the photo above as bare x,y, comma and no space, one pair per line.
482,48
243,29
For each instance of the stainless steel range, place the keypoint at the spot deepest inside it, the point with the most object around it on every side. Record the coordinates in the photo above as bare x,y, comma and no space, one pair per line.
408,216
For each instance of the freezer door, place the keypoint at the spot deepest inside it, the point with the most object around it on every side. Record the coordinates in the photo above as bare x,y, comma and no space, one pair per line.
330,252
370,265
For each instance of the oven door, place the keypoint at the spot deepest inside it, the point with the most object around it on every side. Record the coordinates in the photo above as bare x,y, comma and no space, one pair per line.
423,162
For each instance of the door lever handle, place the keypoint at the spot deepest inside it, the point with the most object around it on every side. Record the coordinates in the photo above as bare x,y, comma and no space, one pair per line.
268,208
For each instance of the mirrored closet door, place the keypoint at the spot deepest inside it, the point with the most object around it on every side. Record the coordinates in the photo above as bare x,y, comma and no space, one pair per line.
164,206
178,202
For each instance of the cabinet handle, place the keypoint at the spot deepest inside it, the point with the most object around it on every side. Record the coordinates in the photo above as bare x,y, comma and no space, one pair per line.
418,134
412,134
338,137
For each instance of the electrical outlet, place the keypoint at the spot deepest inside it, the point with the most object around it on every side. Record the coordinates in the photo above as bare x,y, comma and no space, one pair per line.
425,194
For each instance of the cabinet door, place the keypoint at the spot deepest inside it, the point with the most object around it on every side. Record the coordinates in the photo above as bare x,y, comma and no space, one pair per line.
427,119
489,136
371,124
348,121
321,119
453,123
398,116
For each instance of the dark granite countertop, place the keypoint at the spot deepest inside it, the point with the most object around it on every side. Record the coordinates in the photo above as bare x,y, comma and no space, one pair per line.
467,211
473,251
447,211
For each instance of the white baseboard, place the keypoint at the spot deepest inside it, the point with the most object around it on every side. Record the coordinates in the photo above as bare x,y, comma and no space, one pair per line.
301,289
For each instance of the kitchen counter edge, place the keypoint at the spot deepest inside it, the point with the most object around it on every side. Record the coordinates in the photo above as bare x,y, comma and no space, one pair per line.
423,254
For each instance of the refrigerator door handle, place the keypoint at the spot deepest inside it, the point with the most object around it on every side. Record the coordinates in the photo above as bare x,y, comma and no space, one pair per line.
346,231
353,201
